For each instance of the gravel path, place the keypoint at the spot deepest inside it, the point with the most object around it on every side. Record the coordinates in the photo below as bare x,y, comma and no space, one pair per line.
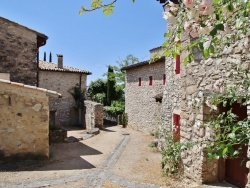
111,159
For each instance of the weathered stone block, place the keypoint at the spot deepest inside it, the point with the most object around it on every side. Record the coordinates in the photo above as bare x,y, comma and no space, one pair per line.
24,131
191,89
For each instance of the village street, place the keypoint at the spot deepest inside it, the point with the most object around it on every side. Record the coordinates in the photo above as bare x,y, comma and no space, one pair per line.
116,157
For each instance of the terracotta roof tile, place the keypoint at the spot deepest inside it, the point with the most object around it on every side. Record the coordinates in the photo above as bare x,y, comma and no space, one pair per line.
162,59
31,87
48,66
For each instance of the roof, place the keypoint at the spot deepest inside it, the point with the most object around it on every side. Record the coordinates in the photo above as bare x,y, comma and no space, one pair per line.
156,48
162,59
39,35
48,92
48,66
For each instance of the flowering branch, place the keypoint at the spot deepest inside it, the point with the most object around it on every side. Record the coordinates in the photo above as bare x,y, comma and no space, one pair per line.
209,22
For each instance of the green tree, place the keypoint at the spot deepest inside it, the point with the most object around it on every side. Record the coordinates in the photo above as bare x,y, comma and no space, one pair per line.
79,96
108,8
50,57
111,90
120,75
97,91
44,56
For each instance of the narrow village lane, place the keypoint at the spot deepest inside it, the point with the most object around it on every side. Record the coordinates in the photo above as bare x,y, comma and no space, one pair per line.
116,158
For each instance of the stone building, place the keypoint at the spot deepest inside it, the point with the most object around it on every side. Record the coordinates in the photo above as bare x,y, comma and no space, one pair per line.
199,81
61,78
24,118
143,93
18,52
184,108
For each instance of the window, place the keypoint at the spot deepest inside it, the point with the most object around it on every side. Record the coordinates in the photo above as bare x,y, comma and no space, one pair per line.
176,127
150,80
178,62
139,84
164,79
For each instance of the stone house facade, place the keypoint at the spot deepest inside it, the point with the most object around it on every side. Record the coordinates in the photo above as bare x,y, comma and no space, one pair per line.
61,78
198,81
24,118
18,52
183,106
143,93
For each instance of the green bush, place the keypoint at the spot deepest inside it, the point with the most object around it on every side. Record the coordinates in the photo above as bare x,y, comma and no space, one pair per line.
124,119
171,154
100,98
54,127
116,108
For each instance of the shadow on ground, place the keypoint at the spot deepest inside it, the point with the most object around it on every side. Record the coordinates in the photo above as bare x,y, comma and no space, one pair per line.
63,156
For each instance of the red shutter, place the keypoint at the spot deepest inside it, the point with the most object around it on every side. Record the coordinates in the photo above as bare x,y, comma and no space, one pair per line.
177,127
150,80
178,62
164,79
139,84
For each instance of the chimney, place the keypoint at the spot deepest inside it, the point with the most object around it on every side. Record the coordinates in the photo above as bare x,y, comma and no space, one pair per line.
60,61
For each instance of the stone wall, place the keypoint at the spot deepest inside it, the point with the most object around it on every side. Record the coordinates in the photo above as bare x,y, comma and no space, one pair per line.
144,113
18,49
66,111
171,95
199,77
94,115
184,94
24,119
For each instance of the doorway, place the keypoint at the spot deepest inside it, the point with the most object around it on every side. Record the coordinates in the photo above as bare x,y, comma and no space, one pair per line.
235,169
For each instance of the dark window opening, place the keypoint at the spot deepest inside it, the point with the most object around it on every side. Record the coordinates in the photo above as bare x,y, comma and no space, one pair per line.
164,79
150,80
139,84
178,62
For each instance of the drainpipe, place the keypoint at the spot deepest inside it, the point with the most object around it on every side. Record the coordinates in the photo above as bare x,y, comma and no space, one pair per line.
80,109
37,69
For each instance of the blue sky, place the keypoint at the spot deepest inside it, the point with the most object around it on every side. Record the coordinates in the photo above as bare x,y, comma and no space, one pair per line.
91,41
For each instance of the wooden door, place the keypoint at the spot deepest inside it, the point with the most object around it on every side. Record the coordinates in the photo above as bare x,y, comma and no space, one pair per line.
235,169
177,127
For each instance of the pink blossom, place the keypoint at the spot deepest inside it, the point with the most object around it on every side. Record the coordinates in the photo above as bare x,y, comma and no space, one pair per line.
171,4
189,3
193,14
218,85
205,8
174,9
168,16
194,33
187,27
166,8
209,104
204,30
